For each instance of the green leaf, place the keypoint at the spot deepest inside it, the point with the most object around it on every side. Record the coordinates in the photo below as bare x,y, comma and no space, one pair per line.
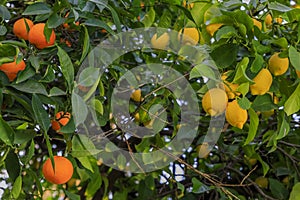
279,7
283,126
23,136
4,13
295,193
294,56
7,50
88,76
224,55
25,75
97,106
41,115
265,166
82,146
186,12
31,87
38,8
3,30
244,103
7,133
17,187
49,75
86,44
149,18
199,187
66,67
35,62
93,185
202,70
30,153
292,105
165,20
282,42
263,103
15,43
55,91
100,24
243,88
278,190
115,18
72,196
80,109
241,76
257,64
254,121
85,161
12,165
55,20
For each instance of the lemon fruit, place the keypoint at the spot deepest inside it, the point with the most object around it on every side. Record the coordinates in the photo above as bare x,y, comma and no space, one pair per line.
263,82
262,182
230,88
212,28
278,65
136,95
298,73
189,36
235,115
161,42
214,101
202,150
268,20
257,23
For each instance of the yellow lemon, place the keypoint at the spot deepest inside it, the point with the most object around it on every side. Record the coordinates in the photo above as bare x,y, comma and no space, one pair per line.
214,101
262,182
278,65
235,115
136,95
189,36
257,23
160,43
202,150
263,82
230,88
278,20
212,28
137,117
268,20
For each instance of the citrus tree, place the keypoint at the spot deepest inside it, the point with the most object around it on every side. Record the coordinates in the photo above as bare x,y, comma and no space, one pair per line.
221,78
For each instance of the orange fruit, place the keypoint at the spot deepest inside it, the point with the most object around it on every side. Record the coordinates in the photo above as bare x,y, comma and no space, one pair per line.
20,28
136,95
61,119
11,69
37,37
62,172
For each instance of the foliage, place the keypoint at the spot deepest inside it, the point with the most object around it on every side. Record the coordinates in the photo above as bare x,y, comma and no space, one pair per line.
268,145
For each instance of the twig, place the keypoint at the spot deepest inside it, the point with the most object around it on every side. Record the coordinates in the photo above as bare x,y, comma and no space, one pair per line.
289,144
252,183
248,175
131,155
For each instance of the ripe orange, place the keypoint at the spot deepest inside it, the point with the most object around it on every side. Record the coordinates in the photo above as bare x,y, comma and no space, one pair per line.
11,69
62,172
37,37
61,119
20,28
